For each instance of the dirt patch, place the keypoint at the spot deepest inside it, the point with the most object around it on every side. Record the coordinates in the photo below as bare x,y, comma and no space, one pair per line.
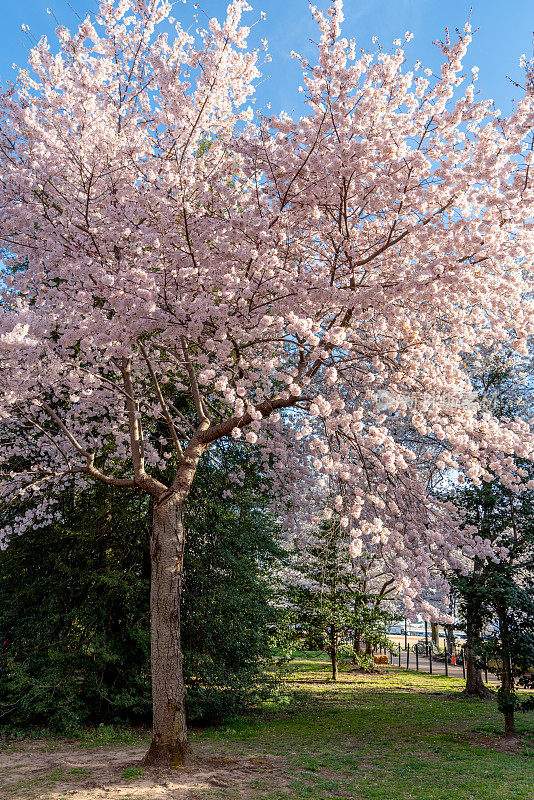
65,772
499,743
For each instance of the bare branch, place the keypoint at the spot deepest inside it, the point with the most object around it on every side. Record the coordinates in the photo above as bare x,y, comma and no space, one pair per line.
45,433
162,401
68,434
183,418
199,405
110,480
133,421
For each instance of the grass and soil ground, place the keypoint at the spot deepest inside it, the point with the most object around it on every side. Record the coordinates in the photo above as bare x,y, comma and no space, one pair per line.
393,736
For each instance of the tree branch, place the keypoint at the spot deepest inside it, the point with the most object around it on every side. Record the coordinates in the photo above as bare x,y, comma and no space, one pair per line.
162,402
225,428
68,434
133,421
199,405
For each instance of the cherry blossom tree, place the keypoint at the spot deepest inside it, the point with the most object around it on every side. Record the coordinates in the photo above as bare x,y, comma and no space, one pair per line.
312,284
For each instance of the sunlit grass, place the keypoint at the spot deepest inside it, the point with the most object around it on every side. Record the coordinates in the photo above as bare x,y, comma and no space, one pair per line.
399,735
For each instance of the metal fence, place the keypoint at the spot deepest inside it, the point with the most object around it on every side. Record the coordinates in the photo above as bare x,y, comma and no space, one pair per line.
426,658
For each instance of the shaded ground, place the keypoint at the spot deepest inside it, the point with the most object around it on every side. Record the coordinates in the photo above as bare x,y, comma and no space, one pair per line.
399,736
61,771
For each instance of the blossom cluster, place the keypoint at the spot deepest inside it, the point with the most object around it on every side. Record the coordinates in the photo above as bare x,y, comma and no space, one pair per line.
181,269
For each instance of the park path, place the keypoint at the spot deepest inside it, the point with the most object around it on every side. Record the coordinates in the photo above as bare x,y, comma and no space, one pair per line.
438,667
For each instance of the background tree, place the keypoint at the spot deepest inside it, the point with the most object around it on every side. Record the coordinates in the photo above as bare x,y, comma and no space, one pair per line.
373,595
501,595
320,589
511,597
479,504
493,508
170,245
331,598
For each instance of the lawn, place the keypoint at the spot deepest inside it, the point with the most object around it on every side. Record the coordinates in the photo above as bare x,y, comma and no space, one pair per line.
397,736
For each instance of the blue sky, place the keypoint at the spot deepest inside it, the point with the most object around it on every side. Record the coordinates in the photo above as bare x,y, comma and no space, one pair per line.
505,32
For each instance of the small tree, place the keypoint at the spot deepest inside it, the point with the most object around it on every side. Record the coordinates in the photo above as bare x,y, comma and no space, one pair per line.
474,611
331,596
370,624
500,590
511,650
503,595
494,508
320,592
373,590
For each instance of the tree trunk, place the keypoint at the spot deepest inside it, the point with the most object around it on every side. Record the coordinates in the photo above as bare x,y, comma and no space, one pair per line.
449,638
356,646
506,693
435,633
357,639
333,652
474,685
510,731
169,746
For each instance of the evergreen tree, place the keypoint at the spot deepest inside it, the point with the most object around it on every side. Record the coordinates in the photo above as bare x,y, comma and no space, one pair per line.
501,592
492,508
330,600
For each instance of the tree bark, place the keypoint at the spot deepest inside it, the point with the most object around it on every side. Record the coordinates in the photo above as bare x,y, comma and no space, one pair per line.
449,638
474,685
356,646
169,746
510,731
333,651
435,633
357,638
506,692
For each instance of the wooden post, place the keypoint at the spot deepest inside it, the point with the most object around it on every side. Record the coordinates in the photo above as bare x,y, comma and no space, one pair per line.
416,659
426,638
446,663
407,657
430,655
400,658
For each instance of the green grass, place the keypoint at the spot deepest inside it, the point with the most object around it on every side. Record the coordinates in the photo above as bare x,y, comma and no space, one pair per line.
131,773
403,735
395,736
45,780
13,740
109,735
